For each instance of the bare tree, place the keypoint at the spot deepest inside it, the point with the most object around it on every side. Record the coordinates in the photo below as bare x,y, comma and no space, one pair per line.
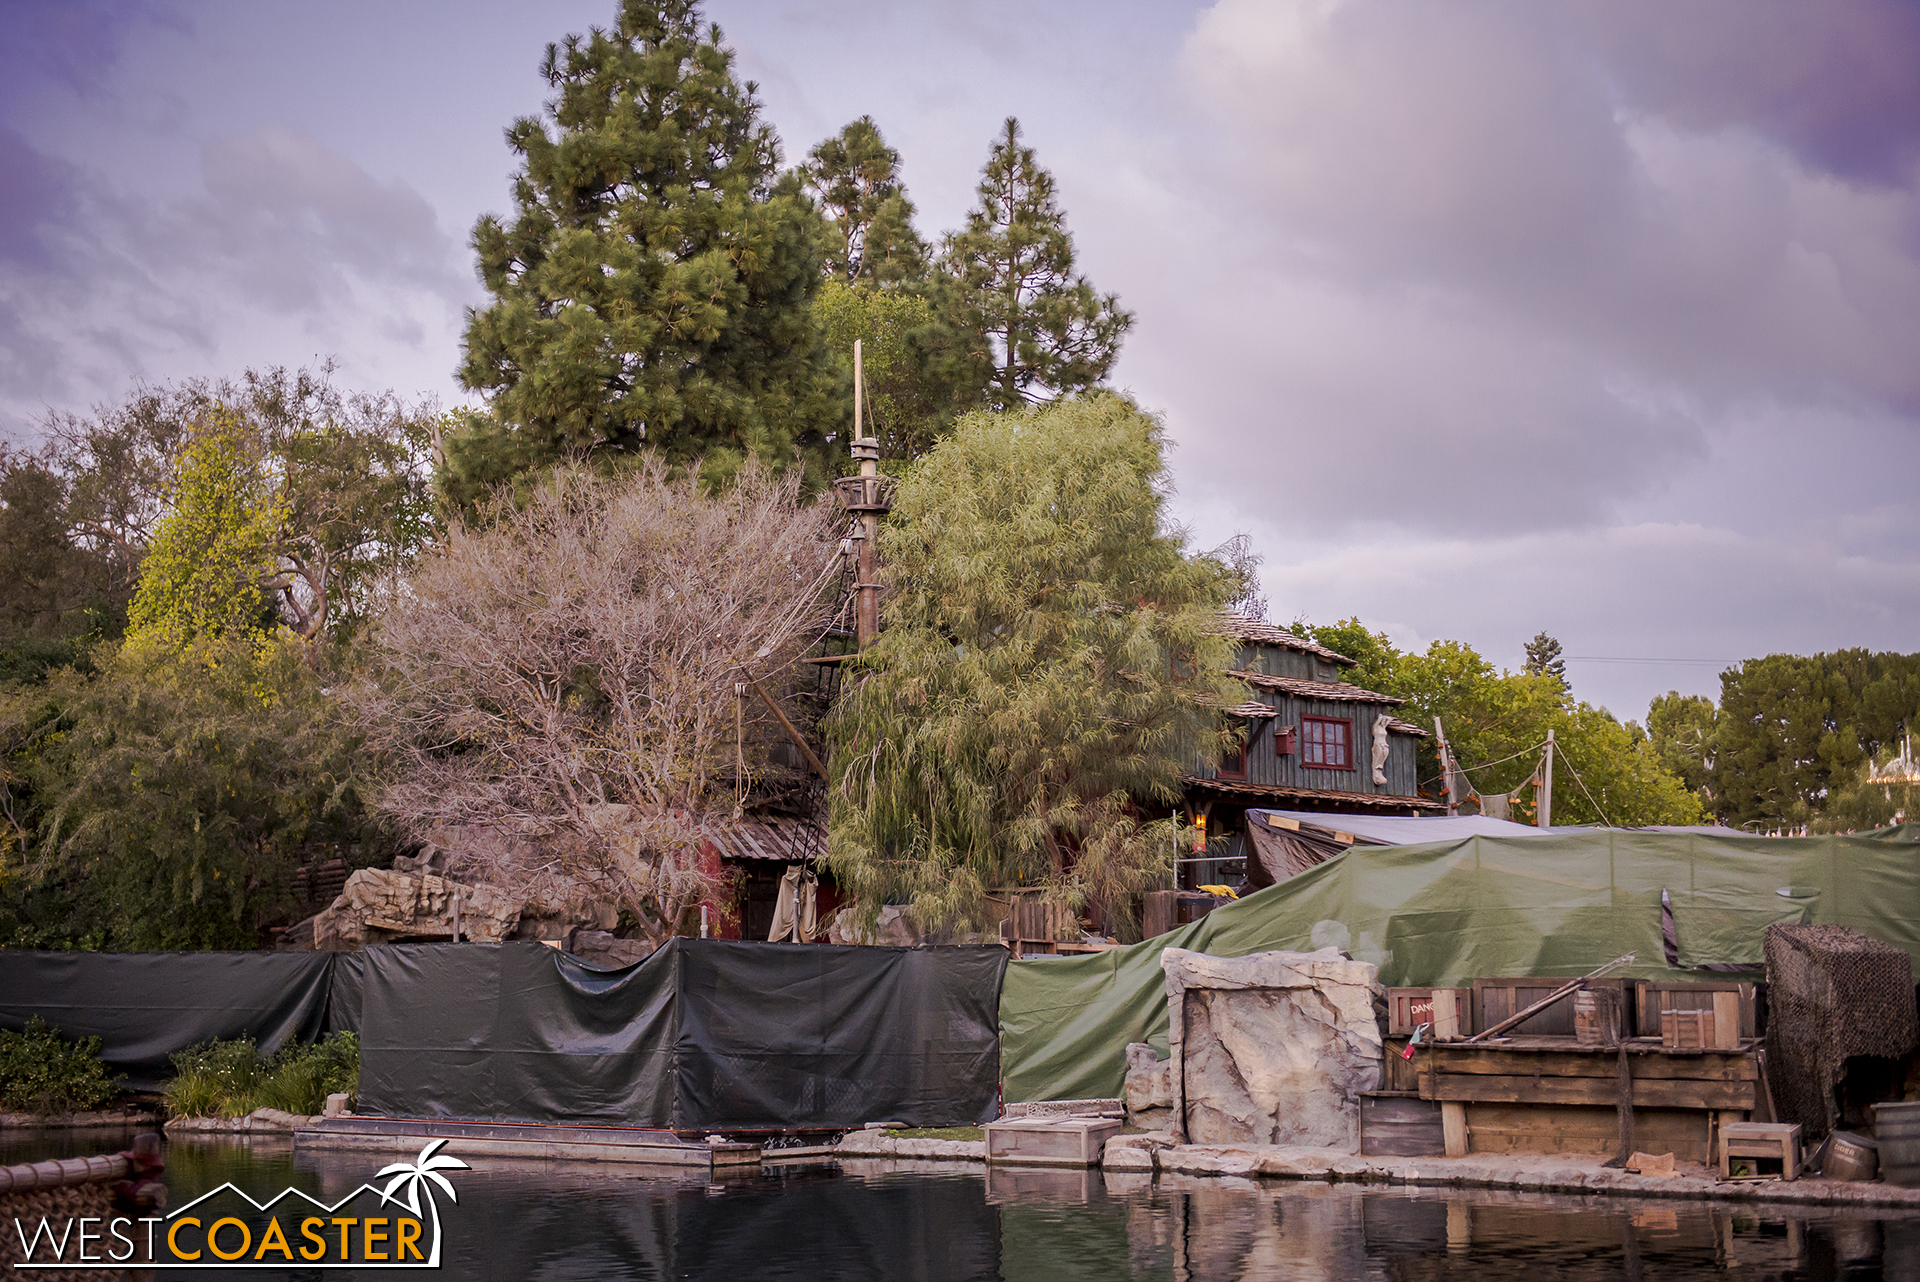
566,676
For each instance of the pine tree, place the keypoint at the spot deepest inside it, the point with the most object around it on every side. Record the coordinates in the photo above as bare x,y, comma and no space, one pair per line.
652,289
854,176
1543,659
1040,331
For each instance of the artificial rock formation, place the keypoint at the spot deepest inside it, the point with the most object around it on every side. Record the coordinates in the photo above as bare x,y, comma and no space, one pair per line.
1149,1089
380,905
1274,1048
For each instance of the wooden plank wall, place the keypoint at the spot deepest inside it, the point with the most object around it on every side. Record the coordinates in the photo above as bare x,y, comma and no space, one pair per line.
1264,766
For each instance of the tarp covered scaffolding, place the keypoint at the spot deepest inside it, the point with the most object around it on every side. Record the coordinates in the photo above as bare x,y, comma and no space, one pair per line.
703,1035
1445,912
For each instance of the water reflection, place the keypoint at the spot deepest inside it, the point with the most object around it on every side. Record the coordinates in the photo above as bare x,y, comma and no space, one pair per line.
936,1222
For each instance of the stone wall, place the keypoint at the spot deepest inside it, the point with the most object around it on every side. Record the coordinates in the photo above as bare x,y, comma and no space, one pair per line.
1274,1048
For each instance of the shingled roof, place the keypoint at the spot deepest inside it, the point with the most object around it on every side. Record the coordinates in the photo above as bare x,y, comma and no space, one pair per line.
1242,628
1331,691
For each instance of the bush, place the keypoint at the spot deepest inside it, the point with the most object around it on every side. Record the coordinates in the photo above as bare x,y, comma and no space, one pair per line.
43,1072
231,1079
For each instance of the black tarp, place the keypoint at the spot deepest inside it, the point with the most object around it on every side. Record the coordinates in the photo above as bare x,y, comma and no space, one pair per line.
704,1034
514,1032
146,1006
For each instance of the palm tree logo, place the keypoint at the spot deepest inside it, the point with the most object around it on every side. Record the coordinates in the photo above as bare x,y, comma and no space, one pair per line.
415,1176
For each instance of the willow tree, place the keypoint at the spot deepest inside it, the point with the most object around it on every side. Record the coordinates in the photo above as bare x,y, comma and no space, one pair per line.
1022,719
652,288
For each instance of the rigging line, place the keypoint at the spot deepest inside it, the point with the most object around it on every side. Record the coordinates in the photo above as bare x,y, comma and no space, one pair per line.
1464,767
1562,752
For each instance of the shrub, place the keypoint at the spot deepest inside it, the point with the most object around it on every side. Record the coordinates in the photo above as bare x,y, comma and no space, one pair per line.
43,1072
231,1079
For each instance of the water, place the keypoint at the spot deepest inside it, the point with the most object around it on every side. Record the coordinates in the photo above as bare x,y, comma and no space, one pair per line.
936,1222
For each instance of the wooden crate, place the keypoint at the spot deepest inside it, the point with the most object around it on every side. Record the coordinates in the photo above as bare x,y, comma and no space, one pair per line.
1449,1010
1400,1124
1698,1030
1050,1141
1732,1005
1497,999
1757,1142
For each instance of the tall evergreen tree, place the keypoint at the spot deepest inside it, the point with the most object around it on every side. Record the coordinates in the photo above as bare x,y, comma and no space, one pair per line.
652,288
1040,331
1544,659
854,177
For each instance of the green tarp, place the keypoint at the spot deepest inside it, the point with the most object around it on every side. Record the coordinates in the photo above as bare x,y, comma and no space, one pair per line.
1443,913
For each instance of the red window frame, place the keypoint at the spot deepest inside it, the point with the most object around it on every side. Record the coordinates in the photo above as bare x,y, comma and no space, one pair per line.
1321,751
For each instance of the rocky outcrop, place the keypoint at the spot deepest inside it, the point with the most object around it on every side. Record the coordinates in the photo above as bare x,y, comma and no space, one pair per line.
1274,1048
379,905
598,948
1149,1088
894,928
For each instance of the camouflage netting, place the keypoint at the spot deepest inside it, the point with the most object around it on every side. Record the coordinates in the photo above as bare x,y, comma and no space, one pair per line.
1832,993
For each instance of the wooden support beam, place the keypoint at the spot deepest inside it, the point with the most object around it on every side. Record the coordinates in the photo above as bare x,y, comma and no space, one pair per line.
1453,1128
1599,1092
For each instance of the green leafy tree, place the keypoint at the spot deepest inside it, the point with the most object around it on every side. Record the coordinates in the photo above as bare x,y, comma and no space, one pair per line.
1544,658
1497,721
652,288
909,398
354,472
50,585
1019,717
169,798
1038,330
855,178
1375,656
212,552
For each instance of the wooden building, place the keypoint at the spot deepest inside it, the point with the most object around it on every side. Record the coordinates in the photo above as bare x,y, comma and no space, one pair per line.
1308,743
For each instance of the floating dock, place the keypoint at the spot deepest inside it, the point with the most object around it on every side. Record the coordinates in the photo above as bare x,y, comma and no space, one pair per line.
541,1141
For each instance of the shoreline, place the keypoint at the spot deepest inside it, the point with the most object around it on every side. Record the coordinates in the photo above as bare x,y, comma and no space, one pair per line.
1151,1155
1528,1172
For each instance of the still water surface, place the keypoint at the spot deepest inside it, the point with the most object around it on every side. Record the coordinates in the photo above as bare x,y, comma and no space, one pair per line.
940,1222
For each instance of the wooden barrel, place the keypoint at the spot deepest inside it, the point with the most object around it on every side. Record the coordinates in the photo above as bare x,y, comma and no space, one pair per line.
1850,1157
1897,1129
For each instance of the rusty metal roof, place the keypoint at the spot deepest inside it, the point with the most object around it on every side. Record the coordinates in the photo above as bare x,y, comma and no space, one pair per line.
772,837
1331,691
1256,630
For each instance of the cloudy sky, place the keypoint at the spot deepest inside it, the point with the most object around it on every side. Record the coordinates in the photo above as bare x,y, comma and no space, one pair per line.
1482,318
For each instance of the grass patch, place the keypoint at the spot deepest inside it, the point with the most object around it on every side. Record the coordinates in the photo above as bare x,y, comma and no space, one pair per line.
42,1072
231,1079
941,1133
